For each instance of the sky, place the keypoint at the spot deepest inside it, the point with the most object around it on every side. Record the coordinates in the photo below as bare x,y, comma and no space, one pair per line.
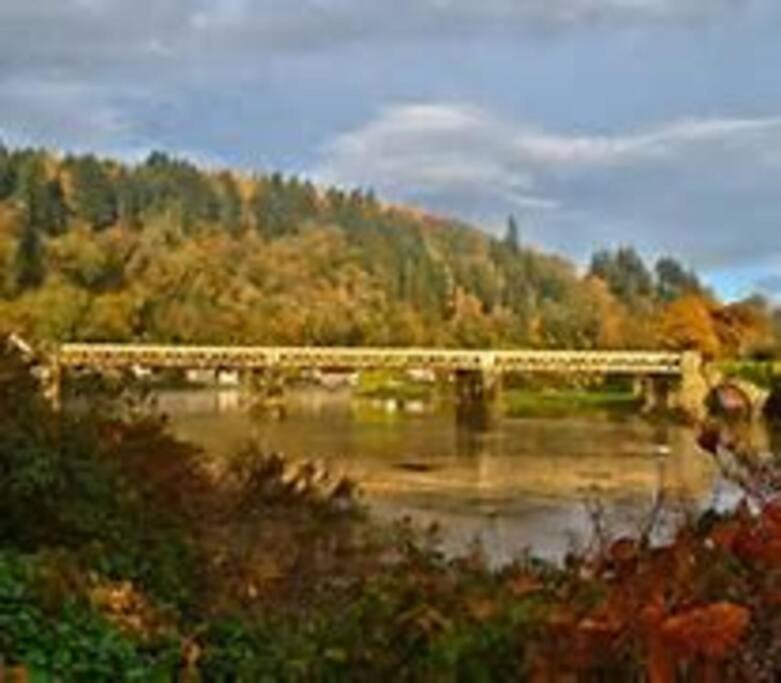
597,123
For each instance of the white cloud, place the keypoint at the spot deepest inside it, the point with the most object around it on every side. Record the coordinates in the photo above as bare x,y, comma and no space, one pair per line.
44,110
684,186
655,144
68,30
579,10
447,142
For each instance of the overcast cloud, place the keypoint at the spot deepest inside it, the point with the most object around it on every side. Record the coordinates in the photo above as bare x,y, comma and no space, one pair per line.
598,122
683,186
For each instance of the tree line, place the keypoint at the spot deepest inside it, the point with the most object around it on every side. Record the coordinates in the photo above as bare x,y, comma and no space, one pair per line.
94,249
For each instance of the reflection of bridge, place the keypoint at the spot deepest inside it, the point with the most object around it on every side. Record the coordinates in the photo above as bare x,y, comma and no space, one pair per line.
672,377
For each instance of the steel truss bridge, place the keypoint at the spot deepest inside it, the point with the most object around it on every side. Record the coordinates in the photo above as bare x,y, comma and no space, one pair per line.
249,358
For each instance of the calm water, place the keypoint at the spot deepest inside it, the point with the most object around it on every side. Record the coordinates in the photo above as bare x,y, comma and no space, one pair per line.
523,483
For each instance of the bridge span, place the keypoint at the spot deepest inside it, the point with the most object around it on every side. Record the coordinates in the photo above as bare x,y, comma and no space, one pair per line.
668,379
122,356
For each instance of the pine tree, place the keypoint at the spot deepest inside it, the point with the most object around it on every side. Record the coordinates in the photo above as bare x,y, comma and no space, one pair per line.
674,281
29,262
94,196
7,174
42,199
230,204
512,237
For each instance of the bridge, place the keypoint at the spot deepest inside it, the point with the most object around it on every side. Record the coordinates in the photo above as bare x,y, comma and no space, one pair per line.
120,356
668,377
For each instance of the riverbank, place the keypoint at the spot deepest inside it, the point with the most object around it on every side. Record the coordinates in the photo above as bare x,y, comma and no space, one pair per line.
126,554
564,402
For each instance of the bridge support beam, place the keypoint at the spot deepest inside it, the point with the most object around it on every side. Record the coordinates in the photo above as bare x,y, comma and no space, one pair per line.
685,395
656,394
265,390
692,391
478,394
52,384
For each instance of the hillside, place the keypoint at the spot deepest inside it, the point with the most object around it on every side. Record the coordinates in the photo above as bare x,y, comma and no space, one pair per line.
93,249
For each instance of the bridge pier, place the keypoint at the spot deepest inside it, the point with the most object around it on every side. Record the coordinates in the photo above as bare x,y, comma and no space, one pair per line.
693,388
265,390
656,393
478,394
52,384
685,394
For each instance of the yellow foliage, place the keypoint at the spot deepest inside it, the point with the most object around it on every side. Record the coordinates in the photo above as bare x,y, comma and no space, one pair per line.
686,324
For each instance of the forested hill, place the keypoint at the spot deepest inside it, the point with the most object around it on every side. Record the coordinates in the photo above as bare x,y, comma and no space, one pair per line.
93,249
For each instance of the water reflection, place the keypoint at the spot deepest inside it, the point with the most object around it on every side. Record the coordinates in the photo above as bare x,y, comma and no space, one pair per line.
523,482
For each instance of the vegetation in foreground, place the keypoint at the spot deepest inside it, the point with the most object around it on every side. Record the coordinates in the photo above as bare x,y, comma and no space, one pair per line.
125,555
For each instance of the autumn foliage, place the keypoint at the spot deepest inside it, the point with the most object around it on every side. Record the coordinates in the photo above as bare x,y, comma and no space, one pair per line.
698,323
93,249
127,556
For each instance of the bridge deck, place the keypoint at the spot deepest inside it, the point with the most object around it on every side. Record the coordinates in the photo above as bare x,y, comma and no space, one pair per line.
119,356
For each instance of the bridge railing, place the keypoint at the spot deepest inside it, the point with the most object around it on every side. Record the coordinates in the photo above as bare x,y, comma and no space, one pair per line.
247,357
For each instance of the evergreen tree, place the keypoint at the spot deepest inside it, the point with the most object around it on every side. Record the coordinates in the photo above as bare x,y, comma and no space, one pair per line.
42,199
512,237
53,217
29,261
94,196
275,203
624,272
230,204
674,281
131,199
7,173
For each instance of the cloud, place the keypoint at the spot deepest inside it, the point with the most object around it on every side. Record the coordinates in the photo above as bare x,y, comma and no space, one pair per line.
183,49
300,26
571,11
702,188
407,13
43,111
770,285
83,32
652,145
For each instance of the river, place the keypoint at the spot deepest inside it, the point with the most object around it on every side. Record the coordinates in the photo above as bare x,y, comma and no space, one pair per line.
523,483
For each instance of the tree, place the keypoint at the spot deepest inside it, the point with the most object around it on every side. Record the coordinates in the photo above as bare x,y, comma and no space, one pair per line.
625,273
41,197
94,196
131,199
687,324
673,280
512,237
29,262
321,265
230,204
180,190
743,326
7,173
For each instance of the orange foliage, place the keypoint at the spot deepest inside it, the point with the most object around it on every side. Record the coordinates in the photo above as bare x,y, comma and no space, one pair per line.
700,324
662,601
712,632
686,324
740,327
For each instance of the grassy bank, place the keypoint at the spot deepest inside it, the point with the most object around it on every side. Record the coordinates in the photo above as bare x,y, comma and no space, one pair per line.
385,385
563,402
765,374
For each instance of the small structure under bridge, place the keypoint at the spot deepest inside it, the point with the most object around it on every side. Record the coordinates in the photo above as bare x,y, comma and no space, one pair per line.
668,380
